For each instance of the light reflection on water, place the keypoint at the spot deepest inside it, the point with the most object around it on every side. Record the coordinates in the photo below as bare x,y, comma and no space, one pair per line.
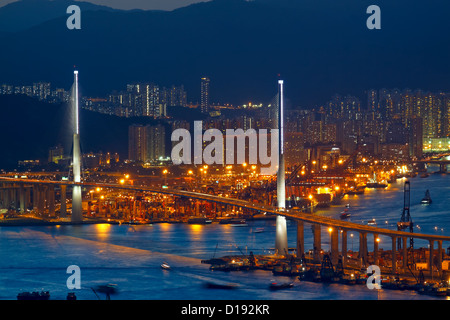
35,258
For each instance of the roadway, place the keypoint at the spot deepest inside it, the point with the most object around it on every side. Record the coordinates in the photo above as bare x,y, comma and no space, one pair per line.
296,215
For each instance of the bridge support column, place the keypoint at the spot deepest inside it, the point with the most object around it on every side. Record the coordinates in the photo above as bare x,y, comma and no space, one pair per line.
35,197
13,197
394,254
317,243
197,208
51,200
63,210
6,202
22,198
300,239
439,257
27,197
41,199
430,260
334,245
405,253
376,255
281,242
363,248
344,248
281,246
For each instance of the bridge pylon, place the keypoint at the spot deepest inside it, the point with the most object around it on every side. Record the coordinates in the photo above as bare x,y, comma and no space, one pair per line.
281,243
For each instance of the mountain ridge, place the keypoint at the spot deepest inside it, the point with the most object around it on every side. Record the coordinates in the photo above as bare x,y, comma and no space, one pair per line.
319,49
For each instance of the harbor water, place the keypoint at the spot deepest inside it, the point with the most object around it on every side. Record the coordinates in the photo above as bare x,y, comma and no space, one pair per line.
130,256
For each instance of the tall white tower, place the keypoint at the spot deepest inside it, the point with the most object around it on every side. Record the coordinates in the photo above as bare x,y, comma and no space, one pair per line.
77,210
281,245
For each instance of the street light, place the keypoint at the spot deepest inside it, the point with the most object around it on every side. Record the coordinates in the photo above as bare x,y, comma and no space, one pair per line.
165,176
351,236
330,230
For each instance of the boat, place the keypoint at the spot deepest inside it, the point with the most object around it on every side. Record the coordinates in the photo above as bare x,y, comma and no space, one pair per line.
311,274
427,198
109,288
285,270
278,286
240,223
236,222
258,230
376,185
71,296
373,183
217,285
433,289
372,222
425,175
357,190
165,266
345,214
43,295
349,279
199,221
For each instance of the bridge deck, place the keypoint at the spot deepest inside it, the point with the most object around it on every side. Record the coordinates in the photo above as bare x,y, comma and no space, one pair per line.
305,217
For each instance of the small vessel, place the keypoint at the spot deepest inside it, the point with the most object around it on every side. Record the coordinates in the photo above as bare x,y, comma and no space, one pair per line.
165,266
238,223
199,221
427,198
372,222
376,185
345,214
278,286
43,295
348,279
357,190
373,183
433,289
218,285
107,289
425,175
259,230
71,296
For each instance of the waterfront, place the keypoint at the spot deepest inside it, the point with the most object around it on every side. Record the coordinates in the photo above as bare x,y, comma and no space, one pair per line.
36,258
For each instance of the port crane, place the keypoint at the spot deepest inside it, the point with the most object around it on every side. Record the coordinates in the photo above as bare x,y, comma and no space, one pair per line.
405,220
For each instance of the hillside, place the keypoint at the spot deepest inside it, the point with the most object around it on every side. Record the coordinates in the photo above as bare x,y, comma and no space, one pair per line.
319,48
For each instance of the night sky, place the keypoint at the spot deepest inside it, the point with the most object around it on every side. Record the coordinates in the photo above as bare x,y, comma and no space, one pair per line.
134,4
320,48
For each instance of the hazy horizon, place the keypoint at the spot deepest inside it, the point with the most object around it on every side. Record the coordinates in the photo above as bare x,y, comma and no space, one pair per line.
166,5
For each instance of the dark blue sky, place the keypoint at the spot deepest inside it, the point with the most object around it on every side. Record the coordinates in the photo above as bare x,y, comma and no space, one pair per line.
319,47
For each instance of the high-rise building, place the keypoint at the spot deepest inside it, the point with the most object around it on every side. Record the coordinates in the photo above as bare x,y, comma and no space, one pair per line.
137,143
41,90
204,95
372,101
156,142
55,154
146,143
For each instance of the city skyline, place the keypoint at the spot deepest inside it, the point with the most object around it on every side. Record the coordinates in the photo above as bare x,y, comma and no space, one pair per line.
344,121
